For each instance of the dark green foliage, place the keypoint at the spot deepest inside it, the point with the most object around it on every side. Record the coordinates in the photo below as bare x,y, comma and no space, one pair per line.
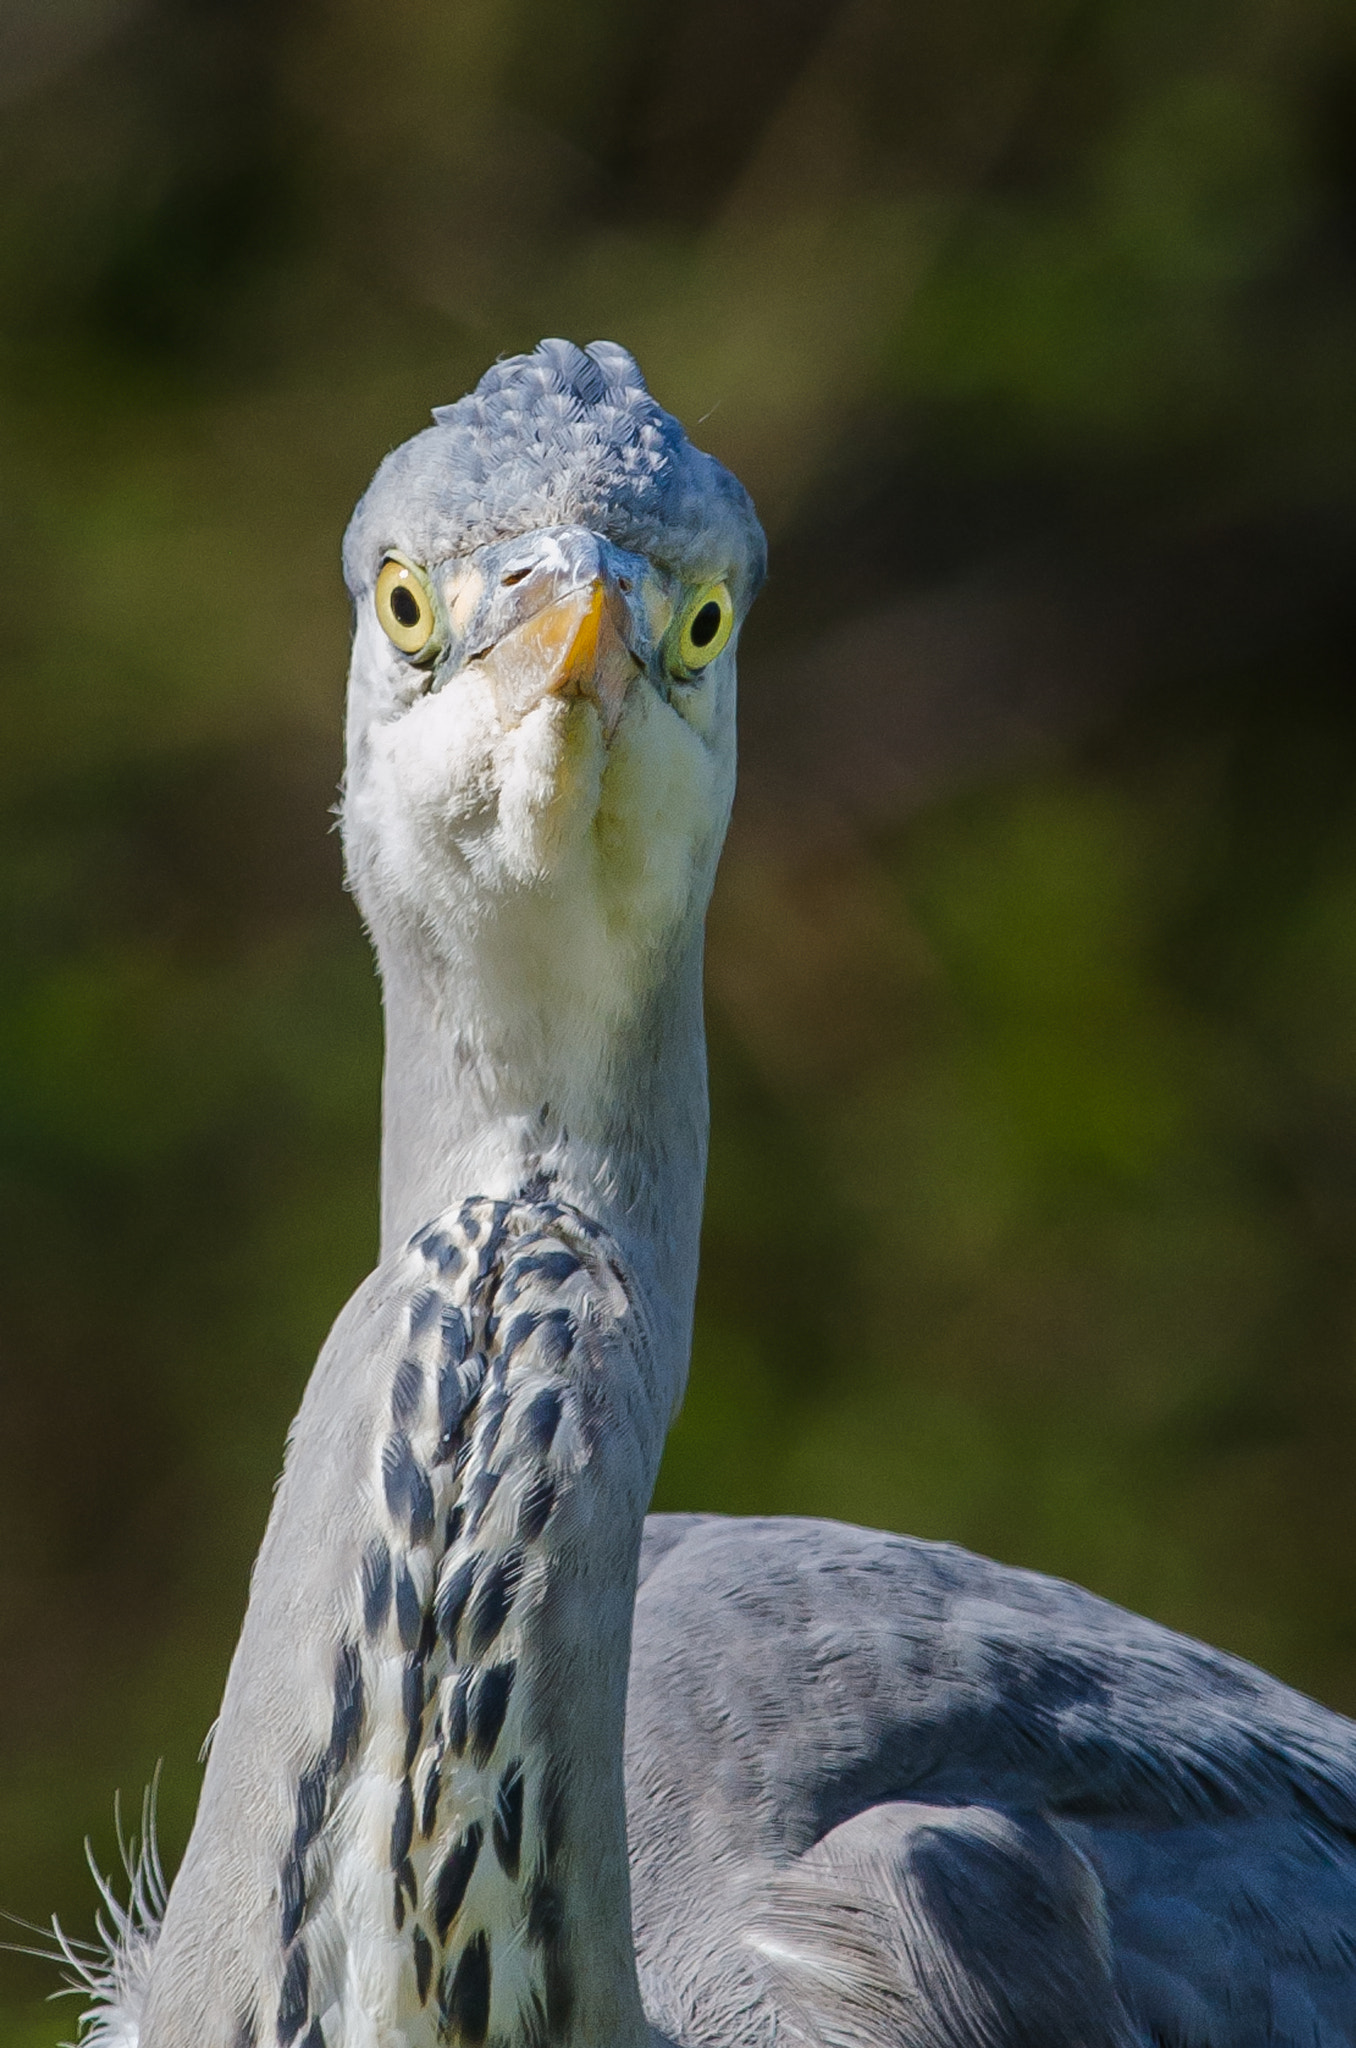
1033,965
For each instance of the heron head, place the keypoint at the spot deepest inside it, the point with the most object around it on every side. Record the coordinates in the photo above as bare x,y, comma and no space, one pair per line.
548,587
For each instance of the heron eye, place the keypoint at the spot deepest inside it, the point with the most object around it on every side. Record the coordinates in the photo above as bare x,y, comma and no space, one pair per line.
405,608
705,627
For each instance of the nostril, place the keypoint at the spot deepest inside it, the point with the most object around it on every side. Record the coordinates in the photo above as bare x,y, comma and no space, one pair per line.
514,576
624,583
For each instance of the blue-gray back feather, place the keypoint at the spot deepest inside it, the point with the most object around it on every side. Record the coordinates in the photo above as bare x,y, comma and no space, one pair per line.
867,1772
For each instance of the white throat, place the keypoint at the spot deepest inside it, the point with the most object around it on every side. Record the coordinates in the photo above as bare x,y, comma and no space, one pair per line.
536,897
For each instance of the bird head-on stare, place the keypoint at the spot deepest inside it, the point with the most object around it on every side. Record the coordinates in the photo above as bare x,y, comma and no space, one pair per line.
882,1794
412,1824
548,586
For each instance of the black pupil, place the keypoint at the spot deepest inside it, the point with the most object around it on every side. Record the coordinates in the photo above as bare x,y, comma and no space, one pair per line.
706,625
404,606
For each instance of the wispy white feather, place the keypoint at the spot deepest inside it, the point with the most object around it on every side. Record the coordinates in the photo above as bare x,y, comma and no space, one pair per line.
112,1971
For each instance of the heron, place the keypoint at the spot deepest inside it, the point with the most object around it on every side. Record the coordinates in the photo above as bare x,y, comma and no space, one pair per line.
500,1760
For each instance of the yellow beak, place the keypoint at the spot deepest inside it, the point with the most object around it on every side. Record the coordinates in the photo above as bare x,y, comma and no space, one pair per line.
576,647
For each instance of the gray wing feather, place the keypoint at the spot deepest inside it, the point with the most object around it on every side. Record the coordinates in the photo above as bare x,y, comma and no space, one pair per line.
1045,1819
1250,1919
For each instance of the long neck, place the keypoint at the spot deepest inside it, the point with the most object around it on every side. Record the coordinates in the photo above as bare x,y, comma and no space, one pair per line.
540,1109
493,1094
412,1827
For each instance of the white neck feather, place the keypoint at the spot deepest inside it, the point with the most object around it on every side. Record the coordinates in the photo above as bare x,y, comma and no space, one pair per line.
544,1091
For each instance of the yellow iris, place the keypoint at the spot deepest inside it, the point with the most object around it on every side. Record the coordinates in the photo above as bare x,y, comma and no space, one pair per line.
704,628
405,607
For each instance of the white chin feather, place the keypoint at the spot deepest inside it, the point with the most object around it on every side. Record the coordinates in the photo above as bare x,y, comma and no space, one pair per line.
551,863
549,770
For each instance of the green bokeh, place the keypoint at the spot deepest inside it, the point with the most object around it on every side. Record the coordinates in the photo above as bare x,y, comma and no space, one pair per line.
1033,1187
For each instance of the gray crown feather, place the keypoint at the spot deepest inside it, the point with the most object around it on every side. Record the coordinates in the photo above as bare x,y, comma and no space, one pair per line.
563,436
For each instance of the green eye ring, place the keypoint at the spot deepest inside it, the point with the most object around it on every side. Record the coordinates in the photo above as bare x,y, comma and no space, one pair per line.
406,611
704,627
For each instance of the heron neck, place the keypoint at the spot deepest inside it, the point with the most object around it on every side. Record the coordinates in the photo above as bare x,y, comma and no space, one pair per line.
413,1822
498,1097
413,1827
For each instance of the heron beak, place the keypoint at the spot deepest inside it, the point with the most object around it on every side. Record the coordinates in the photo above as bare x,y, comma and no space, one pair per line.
578,646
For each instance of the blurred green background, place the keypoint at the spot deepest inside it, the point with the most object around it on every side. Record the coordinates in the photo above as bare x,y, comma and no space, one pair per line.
1032,326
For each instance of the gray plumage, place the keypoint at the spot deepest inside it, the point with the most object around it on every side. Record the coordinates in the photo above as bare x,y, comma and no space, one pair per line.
876,1791
562,437
926,1798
